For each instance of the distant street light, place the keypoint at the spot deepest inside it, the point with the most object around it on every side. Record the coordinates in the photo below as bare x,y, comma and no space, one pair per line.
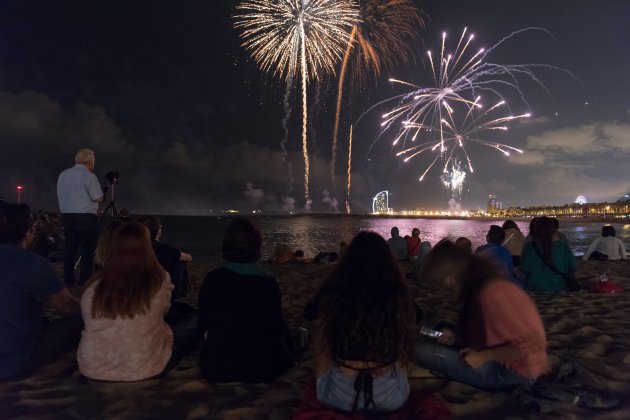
19,190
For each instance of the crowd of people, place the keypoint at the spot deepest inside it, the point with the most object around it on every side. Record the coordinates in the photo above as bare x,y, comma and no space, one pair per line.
127,323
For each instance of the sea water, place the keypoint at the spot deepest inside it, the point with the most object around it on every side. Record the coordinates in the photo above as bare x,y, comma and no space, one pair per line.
201,236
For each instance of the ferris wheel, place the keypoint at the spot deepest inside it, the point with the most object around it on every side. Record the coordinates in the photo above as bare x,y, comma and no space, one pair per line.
580,200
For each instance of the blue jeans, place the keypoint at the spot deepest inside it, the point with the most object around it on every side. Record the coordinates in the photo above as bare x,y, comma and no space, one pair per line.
336,390
445,361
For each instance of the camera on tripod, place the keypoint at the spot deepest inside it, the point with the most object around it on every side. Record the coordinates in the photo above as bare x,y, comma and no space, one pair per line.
112,177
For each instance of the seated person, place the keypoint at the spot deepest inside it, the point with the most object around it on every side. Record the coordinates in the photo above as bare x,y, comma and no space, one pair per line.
497,253
172,259
425,247
126,336
499,341
29,282
398,245
513,241
240,310
358,366
546,260
464,243
561,236
606,247
413,244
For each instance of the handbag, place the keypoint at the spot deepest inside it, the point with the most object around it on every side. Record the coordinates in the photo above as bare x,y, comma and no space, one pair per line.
569,278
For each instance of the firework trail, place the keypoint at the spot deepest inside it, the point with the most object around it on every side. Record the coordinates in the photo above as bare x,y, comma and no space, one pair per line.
289,38
385,35
348,209
285,126
448,113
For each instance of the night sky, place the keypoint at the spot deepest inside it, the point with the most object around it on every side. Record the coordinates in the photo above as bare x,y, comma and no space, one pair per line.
163,92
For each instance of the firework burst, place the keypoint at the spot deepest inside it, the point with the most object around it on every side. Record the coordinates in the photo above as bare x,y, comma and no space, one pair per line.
291,38
464,123
449,116
386,34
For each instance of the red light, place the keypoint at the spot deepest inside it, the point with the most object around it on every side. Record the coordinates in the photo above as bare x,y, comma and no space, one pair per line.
20,188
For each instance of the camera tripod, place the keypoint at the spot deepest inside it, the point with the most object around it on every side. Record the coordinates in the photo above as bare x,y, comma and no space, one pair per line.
112,203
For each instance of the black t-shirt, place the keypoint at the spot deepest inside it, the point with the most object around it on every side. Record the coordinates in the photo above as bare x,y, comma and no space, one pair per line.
242,314
167,256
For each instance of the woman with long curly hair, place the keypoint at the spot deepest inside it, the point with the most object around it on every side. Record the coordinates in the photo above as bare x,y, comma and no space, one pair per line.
364,325
126,337
499,340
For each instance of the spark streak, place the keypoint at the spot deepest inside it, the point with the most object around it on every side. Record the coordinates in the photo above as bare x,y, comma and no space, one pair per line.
384,36
291,37
449,116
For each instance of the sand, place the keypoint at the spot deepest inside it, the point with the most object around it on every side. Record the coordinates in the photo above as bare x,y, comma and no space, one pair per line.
588,334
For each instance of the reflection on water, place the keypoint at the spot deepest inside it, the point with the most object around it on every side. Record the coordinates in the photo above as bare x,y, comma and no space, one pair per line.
202,236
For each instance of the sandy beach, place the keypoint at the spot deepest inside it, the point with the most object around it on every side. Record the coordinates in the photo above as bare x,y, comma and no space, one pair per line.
589,344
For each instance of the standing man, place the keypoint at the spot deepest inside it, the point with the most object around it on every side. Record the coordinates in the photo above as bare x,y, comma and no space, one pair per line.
28,282
79,193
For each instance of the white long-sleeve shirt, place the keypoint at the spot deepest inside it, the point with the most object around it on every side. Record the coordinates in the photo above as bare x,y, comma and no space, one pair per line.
609,245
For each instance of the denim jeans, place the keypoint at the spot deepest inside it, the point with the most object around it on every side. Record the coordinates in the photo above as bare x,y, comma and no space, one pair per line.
57,337
445,361
80,231
336,390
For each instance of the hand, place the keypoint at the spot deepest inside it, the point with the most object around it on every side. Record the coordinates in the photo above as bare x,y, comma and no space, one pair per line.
473,358
447,338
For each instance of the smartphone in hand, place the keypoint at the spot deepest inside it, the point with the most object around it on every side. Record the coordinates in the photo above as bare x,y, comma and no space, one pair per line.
430,332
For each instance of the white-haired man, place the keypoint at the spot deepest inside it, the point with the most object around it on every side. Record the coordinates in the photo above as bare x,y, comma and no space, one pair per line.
79,194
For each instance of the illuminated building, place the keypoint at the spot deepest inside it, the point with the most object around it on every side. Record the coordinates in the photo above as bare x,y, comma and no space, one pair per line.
494,206
380,203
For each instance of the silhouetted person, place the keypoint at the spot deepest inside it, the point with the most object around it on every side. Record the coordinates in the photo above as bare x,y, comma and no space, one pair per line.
172,259
27,283
398,245
240,310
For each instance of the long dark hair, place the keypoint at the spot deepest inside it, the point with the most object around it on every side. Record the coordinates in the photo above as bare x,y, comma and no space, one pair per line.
543,234
469,272
364,307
